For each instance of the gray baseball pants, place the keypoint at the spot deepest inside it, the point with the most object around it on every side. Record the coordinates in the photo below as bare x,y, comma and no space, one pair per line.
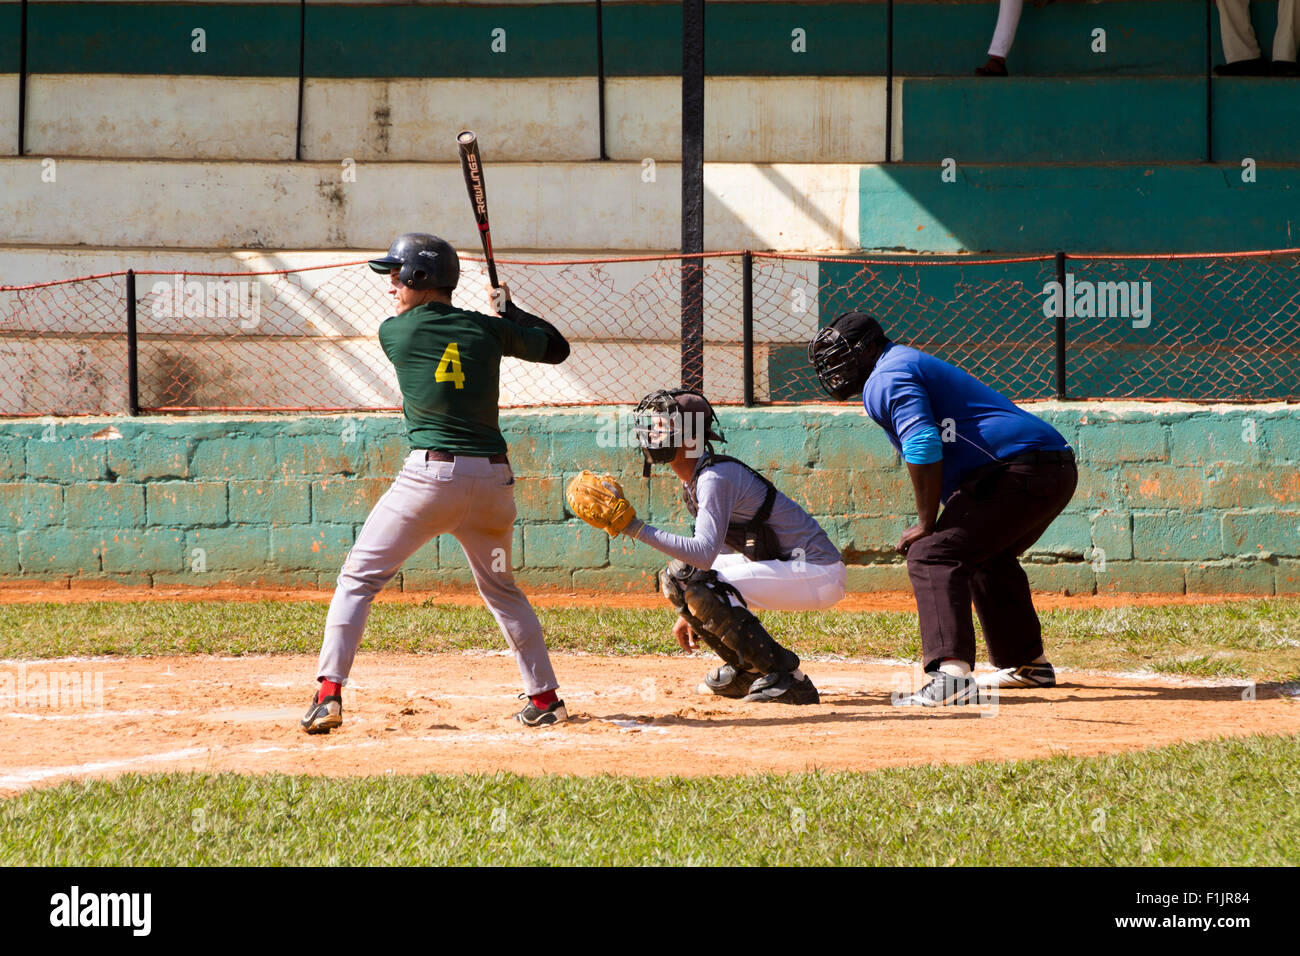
474,501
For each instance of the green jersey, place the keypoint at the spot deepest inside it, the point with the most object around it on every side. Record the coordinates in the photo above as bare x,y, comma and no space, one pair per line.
448,364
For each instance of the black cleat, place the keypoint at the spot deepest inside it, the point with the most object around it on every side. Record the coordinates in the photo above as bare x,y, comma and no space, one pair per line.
534,716
782,687
944,690
323,715
1257,66
727,681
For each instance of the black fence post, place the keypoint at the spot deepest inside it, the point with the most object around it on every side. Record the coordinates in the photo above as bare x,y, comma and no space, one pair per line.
1209,84
747,313
889,81
132,353
600,76
302,73
692,194
22,79
1060,328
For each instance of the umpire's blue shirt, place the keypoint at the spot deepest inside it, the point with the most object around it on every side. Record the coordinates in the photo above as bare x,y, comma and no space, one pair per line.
909,390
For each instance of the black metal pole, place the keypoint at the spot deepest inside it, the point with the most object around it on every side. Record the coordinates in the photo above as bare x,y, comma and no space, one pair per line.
302,72
747,313
889,81
1209,85
132,353
600,76
22,79
1060,329
692,194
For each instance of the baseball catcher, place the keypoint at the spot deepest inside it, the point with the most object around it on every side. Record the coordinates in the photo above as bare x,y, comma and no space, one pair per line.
752,547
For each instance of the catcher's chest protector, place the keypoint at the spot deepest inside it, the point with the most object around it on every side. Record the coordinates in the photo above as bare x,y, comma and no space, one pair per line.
753,538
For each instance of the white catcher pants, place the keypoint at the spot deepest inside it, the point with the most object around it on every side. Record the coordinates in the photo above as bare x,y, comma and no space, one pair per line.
783,585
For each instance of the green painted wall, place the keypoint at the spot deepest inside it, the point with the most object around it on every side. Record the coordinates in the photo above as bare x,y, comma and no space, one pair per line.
1151,37
1079,208
1142,37
10,21
749,39
1115,119
1170,499
1257,117
155,38
451,40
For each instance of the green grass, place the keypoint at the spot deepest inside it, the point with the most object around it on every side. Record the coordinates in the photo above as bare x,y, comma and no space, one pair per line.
1234,802
1257,639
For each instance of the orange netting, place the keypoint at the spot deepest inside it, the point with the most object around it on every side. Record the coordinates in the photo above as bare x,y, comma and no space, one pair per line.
1197,327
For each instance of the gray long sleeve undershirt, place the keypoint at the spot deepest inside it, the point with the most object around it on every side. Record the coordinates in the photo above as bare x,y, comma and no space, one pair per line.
728,494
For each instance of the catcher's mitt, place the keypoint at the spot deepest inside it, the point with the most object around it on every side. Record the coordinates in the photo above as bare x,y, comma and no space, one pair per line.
599,501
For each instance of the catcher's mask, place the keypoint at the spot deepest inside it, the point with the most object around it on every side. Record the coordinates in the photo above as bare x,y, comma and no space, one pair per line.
421,261
842,353
667,420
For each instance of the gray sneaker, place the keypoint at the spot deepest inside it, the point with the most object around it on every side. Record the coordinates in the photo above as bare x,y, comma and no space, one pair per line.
534,716
944,690
323,715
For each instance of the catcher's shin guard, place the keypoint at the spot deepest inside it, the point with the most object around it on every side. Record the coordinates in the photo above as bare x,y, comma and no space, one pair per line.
731,630
672,582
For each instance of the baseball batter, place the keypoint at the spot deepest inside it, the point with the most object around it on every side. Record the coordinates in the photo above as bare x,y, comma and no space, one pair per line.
751,547
456,480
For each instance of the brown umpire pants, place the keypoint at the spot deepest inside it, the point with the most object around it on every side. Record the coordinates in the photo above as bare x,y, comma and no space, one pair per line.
972,557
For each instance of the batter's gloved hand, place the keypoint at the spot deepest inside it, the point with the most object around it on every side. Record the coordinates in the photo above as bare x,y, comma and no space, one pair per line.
599,501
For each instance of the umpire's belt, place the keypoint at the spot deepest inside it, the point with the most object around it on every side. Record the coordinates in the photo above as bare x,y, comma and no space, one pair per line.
433,454
1058,457
1038,457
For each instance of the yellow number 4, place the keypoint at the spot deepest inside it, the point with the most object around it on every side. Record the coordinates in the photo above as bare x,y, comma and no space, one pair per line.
449,369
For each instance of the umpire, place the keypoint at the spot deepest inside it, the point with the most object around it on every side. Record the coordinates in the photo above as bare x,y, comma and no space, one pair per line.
1002,476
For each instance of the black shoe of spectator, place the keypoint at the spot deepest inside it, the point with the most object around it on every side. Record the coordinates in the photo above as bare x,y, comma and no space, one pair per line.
996,66
1255,67
1286,68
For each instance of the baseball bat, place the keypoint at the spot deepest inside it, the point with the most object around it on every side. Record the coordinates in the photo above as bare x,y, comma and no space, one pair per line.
472,165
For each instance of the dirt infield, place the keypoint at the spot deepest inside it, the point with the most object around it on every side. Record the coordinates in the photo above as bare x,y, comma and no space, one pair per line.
77,592
631,715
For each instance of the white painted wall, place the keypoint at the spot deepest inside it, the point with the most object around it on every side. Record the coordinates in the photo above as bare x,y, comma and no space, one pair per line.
534,120
832,119
747,119
170,117
554,206
8,114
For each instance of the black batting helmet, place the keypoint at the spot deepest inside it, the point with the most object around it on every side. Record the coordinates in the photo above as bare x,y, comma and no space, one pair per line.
666,419
421,261
842,355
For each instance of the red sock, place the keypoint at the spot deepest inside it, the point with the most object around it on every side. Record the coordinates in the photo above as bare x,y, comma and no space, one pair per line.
328,689
545,699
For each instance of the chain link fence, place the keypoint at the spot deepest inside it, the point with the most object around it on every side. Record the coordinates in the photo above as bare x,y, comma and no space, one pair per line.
1192,327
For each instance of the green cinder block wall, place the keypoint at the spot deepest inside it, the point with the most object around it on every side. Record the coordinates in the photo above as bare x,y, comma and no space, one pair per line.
1171,498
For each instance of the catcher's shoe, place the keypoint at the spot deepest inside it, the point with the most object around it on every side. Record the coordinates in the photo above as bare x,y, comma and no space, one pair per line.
323,715
1026,675
534,716
782,687
727,681
944,690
